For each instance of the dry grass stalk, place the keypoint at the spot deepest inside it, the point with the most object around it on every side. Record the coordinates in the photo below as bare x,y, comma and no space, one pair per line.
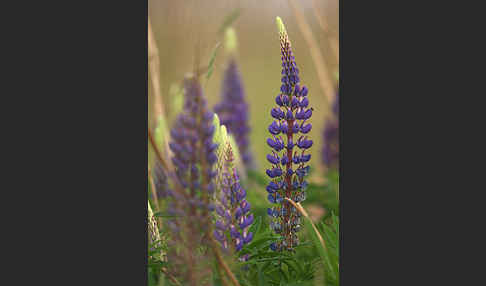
221,262
154,72
325,78
154,68
171,278
332,36
299,207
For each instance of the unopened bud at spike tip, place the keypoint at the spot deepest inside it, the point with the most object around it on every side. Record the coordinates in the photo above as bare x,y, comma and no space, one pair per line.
230,40
281,26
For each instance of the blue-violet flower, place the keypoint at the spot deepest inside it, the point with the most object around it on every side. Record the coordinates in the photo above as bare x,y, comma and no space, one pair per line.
288,157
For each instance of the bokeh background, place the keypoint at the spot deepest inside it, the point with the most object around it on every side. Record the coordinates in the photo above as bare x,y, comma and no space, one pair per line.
182,26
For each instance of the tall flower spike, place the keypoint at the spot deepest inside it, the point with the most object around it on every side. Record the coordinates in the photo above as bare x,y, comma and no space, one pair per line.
233,108
193,158
330,148
288,158
192,145
233,217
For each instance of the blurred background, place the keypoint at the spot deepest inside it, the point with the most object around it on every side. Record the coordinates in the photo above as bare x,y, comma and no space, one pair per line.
179,27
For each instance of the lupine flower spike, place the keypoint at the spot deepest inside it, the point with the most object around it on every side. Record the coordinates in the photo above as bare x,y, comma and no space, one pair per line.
193,147
233,108
193,158
288,157
330,149
232,210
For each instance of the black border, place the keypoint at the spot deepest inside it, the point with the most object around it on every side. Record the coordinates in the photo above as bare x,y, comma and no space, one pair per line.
82,131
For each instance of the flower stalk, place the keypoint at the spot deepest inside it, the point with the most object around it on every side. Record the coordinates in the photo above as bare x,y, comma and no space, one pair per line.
289,164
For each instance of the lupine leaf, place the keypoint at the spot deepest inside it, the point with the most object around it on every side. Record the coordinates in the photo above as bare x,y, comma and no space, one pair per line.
261,277
255,227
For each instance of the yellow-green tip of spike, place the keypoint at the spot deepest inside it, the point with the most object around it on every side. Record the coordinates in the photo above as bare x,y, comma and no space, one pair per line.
230,40
216,120
281,26
224,134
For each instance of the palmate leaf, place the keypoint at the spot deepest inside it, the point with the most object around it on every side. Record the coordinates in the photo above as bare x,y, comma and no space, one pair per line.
322,251
255,227
277,268
261,276
331,267
330,255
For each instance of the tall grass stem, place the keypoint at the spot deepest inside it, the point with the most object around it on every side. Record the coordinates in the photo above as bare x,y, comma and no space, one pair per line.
332,36
325,78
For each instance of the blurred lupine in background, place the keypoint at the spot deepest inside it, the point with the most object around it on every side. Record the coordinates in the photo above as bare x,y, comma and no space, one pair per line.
193,157
233,109
290,119
232,209
330,149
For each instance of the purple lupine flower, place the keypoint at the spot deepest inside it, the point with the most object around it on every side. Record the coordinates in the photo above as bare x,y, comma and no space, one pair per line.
232,110
192,145
193,158
330,148
288,157
233,217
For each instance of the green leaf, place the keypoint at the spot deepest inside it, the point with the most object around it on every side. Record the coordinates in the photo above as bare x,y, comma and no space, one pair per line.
255,227
211,61
261,277
320,249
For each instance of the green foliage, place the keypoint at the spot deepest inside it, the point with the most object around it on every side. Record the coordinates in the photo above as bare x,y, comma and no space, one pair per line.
266,267
329,252
311,264
211,61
